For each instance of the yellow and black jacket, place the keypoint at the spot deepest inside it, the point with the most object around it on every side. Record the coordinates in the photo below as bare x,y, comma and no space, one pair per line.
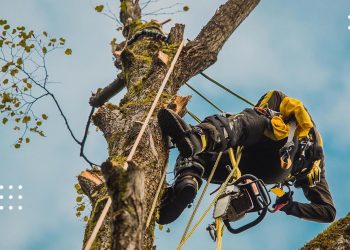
262,142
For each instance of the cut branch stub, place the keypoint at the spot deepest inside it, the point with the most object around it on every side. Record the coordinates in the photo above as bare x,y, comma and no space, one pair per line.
179,104
126,189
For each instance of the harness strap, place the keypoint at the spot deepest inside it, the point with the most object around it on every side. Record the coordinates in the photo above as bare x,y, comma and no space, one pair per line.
285,158
221,124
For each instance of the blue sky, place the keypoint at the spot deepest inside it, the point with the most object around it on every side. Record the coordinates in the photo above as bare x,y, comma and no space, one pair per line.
299,47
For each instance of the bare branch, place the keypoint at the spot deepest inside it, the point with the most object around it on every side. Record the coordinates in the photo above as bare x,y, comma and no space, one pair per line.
130,10
108,92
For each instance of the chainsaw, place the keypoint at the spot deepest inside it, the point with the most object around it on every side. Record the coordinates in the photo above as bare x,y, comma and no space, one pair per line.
247,194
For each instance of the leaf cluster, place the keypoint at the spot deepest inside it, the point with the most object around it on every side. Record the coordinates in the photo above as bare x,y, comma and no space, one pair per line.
24,77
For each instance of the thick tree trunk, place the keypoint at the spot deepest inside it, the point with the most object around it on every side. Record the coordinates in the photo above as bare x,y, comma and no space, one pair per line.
132,191
335,237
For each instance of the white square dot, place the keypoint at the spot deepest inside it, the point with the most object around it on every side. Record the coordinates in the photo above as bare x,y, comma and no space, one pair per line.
10,207
20,207
1,187
1,207
1,197
10,187
20,187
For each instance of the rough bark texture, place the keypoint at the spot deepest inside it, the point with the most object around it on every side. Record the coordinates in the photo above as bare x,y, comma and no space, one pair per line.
92,184
133,191
335,237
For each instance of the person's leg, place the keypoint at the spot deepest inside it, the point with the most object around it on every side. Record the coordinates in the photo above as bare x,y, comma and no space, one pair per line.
188,173
215,133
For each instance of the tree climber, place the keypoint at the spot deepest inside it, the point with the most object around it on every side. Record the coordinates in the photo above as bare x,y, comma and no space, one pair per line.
267,154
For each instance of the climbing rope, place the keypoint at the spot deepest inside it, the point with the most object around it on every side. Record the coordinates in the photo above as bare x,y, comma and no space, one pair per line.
205,98
154,203
194,116
202,195
136,143
227,89
234,170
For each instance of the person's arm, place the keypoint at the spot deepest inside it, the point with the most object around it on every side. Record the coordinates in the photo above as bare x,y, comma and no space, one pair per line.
321,208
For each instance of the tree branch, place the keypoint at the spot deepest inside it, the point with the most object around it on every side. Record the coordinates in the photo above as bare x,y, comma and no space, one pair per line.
129,10
108,92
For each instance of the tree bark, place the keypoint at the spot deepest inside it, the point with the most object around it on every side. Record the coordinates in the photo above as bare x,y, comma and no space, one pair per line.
132,191
335,237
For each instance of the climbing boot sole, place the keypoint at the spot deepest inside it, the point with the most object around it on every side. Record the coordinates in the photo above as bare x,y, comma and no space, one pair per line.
172,125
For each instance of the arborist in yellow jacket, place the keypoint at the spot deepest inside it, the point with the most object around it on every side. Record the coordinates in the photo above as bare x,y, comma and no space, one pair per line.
268,154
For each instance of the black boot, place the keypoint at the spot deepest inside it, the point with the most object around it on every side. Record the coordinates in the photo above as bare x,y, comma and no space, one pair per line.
186,138
182,193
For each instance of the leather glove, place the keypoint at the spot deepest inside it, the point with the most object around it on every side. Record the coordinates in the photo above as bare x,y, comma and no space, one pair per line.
284,202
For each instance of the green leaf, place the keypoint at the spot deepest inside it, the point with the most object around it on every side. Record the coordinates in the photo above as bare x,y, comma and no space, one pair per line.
186,8
6,27
44,116
6,81
4,120
26,119
20,61
78,214
68,52
27,140
17,145
79,199
44,50
62,41
14,72
99,8
45,33
4,68
86,218
6,97
29,86
38,123
81,208
2,22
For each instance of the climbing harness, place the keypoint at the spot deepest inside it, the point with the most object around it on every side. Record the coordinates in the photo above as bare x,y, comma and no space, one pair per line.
285,151
136,143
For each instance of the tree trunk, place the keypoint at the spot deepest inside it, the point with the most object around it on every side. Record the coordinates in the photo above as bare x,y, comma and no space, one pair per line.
132,191
335,237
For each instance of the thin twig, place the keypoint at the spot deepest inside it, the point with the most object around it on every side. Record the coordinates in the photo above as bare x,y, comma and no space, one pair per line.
85,137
